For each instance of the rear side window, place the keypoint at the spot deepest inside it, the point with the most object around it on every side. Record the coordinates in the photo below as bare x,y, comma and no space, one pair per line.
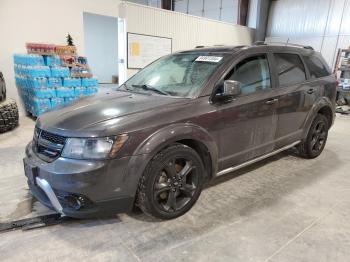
290,69
316,67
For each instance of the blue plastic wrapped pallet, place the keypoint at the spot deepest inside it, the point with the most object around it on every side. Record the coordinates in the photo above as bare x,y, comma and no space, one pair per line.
79,91
59,71
89,82
56,102
43,93
90,90
52,60
65,92
38,71
44,84
71,82
31,60
40,106
53,82
69,100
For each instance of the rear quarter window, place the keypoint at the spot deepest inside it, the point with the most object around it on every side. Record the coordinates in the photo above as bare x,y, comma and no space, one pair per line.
290,69
316,67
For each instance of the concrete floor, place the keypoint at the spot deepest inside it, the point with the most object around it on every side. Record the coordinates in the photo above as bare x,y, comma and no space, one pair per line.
282,209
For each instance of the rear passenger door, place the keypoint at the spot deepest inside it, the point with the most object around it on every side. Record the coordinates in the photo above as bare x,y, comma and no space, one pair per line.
294,95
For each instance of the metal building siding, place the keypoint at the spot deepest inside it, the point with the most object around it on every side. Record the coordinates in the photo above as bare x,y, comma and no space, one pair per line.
186,31
322,24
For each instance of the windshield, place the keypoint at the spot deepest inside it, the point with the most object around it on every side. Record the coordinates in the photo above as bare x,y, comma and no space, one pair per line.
180,75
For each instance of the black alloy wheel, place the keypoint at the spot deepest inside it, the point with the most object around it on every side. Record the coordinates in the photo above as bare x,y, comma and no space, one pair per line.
319,136
316,139
171,183
175,185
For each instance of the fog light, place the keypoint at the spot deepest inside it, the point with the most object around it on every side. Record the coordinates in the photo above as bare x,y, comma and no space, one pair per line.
73,202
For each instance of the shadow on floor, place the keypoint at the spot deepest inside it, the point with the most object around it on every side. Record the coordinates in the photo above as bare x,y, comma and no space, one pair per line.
222,197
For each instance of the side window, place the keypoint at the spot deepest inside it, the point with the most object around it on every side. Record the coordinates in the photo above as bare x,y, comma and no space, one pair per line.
316,67
253,73
290,69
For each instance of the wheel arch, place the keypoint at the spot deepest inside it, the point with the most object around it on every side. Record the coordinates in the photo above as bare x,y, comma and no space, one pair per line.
321,106
327,112
188,134
203,152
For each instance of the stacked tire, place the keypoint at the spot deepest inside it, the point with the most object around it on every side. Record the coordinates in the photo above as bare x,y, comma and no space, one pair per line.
8,109
8,115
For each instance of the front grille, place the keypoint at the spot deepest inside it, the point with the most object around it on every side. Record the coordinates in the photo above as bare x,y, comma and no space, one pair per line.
57,139
47,146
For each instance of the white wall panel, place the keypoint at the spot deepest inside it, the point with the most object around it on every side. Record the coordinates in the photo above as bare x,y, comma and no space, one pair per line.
186,31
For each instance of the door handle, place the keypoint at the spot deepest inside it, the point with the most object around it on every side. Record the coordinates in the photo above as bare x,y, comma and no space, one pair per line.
310,91
272,101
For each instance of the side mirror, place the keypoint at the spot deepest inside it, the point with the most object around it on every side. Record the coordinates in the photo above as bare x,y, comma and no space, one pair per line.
230,90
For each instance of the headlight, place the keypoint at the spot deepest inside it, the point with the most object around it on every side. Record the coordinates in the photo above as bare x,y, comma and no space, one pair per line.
93,148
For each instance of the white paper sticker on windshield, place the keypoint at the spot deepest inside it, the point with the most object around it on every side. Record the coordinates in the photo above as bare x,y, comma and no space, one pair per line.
211,59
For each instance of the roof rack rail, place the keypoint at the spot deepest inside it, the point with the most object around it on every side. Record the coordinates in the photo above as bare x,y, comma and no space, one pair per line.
283,43
259,43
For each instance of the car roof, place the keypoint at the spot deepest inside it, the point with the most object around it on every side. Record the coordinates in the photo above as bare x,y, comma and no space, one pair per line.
213,49
233,49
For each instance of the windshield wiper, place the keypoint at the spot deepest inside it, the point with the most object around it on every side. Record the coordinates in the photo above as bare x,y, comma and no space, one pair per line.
127,88
151,88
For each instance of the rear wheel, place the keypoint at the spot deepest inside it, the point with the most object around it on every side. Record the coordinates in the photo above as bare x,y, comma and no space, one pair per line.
171,183
316,139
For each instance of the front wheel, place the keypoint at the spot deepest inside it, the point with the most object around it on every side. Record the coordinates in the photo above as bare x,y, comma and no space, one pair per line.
316,138
171,183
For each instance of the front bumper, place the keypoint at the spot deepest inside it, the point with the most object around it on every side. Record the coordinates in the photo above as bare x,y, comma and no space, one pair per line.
99,187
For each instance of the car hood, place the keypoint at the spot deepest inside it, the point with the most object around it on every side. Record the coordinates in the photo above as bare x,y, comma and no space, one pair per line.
90,112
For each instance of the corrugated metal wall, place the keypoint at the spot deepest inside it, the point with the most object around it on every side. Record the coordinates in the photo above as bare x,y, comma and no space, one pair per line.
186,31
222,10
323,24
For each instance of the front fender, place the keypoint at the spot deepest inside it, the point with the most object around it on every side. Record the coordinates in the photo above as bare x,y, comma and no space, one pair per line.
164,137
175,132
320,103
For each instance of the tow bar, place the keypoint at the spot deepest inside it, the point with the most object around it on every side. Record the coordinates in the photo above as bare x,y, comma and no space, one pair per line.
33,222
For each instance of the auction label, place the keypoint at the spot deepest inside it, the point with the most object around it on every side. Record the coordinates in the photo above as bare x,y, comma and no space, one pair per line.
211,59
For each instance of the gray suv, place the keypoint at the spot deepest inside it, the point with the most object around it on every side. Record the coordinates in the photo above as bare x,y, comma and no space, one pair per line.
178,123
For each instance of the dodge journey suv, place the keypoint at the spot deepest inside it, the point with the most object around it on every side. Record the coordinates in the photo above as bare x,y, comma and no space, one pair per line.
181,121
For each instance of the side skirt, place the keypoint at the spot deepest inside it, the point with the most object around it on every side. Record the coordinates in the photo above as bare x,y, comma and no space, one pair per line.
234,168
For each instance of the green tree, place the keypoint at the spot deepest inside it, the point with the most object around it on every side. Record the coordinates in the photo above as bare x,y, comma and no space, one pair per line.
69,40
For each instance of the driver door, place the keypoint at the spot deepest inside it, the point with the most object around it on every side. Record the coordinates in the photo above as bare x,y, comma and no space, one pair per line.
250,120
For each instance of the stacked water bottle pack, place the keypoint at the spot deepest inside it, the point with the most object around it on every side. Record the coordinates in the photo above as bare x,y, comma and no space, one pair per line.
44,83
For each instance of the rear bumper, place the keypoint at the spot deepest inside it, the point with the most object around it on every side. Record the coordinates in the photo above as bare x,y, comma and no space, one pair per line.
82,188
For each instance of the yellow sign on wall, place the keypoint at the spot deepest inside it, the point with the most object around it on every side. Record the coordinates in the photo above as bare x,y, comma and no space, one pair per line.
144,49
135,49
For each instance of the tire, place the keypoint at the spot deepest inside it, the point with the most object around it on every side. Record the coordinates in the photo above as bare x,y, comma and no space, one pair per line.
171,182
2,88
316,138
2,96
8,115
